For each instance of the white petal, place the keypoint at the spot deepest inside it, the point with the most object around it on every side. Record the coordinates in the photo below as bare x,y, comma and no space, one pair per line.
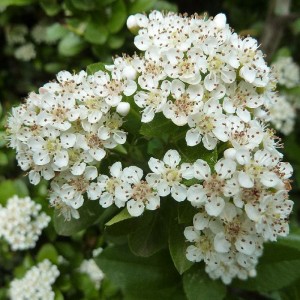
68,140
196,195
153,202
201,169
200,221
245,245
221,244
225,168
135,208
214,206
156,165
193,137
90,173
191,234
97,154
172,158
252,212
245,180
178,192
41,158
116,169
243,156
34,177
132,174
61,159
163,189
177,88
78,169
106,200
269,179
130,88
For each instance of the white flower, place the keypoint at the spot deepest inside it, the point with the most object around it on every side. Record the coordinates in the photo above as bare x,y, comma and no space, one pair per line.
105,187
137,193
270,215
152,101
208,125
168,175
186,102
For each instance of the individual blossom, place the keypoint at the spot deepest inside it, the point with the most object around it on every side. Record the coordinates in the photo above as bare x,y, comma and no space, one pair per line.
168,175
104,189
136,192
22,222
36,284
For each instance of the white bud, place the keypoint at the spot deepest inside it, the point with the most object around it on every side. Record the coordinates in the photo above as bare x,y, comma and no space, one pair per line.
129,72
220,21
132,24
123,108
230,153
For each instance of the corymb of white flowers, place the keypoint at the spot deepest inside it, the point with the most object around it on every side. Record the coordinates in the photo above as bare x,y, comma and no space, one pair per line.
209,82
22,222
36,284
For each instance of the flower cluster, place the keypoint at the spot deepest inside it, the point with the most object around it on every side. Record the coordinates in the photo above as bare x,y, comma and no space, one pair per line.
36,284
67,127
89,267
204,78
21,222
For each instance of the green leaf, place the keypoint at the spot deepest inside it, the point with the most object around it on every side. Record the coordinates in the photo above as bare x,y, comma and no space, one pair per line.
71,45
48,251
139,6
197,285
10,188
51,7
89,213
16,2
93,68
278,268
116,41
85,5
150,236
191,154
177,247
96,33
186,213
165,6
128,271
55,32
3,159
118,16
159,127
121,216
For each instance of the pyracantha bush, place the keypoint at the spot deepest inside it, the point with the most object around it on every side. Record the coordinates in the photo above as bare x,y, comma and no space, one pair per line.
198,96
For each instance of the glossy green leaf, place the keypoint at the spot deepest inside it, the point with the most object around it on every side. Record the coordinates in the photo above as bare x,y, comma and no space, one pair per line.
10,188
159,127
71,45
16,2
165,6
93,68
89,213
118,16
177,247
186,213
85,5
51,7
197,285
96,33
278,268
139,6
48,251
121,216
128,271
191,154
115,41
55,32
3,159
150,236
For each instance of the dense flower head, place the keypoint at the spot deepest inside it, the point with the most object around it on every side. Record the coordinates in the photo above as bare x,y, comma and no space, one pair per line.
201,77
22,222
36,284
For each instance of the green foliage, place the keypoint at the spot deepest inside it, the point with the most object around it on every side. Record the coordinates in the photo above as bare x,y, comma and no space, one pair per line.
197,285
89,214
